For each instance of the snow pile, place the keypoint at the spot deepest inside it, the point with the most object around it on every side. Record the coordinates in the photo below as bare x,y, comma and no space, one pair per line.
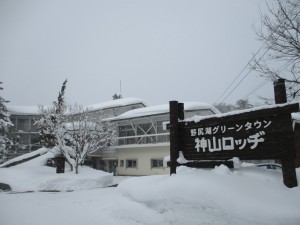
219,196
35,153
34,176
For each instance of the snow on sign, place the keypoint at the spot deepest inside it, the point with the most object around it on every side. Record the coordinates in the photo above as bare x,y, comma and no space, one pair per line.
256,134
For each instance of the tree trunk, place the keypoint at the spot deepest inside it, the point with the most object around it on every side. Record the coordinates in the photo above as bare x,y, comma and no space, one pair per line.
76,165
70,164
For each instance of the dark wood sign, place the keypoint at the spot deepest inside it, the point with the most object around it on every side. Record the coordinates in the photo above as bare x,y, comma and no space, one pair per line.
249,135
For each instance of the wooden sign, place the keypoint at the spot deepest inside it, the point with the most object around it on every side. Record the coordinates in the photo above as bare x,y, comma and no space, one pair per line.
249,135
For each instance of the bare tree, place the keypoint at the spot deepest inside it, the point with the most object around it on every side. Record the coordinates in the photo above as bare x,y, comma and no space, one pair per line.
243,104
86,133
224,107
280,32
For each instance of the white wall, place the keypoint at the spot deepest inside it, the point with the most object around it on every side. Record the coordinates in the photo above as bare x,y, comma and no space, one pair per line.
143,155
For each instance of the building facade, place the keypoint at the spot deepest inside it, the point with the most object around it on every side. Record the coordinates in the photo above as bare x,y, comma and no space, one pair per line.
143,143
23,134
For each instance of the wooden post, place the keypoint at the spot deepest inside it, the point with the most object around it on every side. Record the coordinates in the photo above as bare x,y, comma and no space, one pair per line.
181,111
174,134
288,165
280,91
289,173
60,164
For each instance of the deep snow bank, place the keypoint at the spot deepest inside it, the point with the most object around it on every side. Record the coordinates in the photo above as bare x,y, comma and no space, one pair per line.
34,176
22,158
257,195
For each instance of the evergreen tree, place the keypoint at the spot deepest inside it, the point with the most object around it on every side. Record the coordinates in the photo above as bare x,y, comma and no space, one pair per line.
74,134
5,123
51,120
51,126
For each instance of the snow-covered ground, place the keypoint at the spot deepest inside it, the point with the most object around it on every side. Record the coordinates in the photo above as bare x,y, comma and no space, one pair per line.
244,196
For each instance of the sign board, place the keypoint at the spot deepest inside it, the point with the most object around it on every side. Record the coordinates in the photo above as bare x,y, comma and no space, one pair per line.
249,135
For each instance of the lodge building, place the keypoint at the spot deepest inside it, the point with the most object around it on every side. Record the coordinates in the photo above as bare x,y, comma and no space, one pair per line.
142,146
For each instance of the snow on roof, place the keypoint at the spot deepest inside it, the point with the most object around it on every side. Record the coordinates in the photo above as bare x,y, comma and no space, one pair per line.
161,109
34,110
23,110
116,103
197,119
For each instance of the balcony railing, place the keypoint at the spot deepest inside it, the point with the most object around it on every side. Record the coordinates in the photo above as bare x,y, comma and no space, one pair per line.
143,139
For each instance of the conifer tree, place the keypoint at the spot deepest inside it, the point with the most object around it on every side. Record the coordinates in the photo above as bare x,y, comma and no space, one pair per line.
52,127
5,123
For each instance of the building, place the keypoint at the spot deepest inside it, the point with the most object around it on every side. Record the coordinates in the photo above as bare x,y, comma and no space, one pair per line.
23,134
143,142
142,146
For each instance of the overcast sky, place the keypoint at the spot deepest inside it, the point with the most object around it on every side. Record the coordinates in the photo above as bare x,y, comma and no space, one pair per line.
161,50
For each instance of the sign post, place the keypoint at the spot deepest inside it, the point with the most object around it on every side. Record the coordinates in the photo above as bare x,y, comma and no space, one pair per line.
174,134
287,163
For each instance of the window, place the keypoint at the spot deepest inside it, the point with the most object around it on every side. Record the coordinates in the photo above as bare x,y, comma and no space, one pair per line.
145,129
121,163
34,139
157,163
126,131
108,113
131,163
13,120
23,124
33,127
24,138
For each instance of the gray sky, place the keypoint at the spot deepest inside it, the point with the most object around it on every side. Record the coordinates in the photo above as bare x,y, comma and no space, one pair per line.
161,50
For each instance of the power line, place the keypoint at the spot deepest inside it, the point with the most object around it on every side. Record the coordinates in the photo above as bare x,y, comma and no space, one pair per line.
264,82
240,73
244,76
260,85
243,70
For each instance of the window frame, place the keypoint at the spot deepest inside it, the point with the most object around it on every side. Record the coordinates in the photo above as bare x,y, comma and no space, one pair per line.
159,163
132,166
